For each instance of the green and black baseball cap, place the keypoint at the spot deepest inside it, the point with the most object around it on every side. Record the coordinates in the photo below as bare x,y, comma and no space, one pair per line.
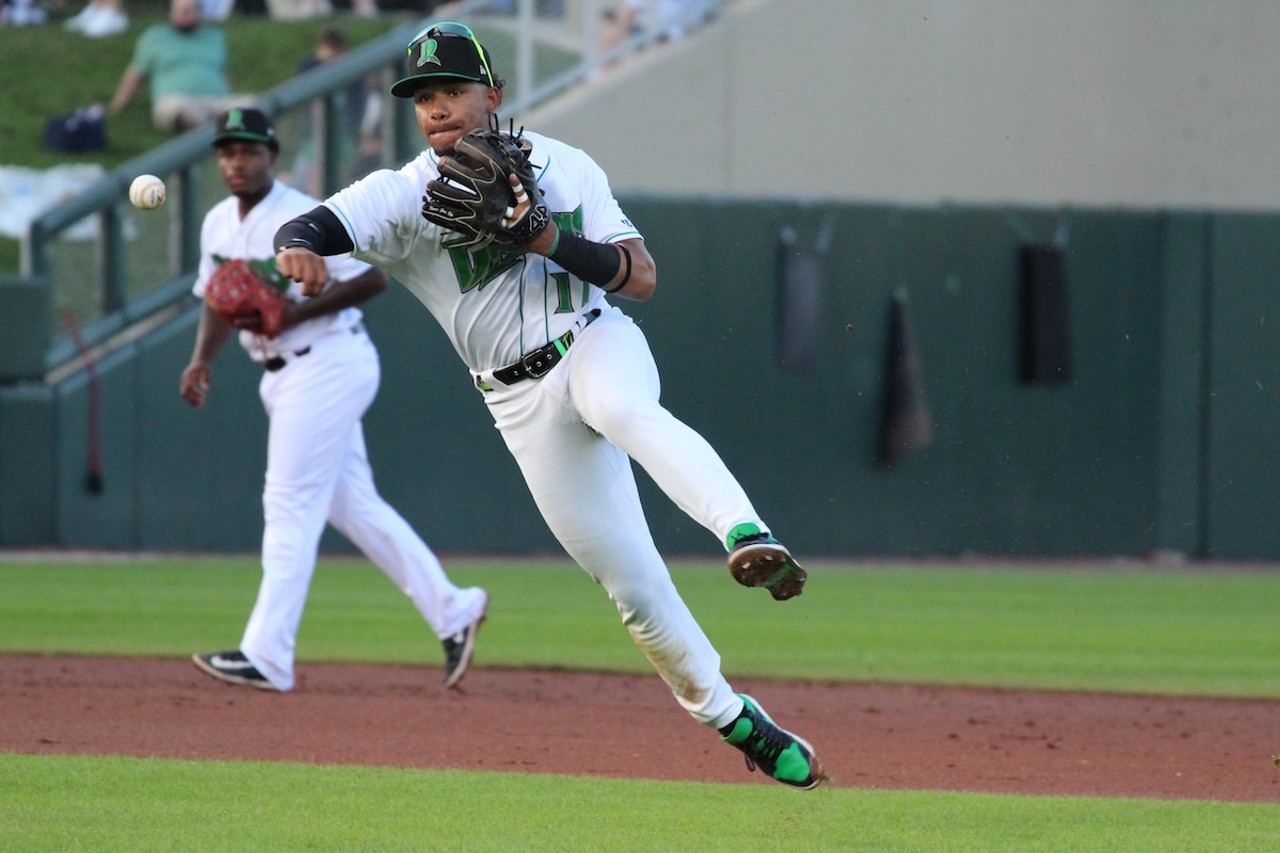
246,124
445,49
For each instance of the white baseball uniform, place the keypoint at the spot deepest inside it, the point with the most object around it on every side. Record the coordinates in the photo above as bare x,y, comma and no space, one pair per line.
573,429
317,467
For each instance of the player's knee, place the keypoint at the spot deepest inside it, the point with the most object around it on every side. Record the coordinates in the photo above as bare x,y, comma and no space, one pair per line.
616,416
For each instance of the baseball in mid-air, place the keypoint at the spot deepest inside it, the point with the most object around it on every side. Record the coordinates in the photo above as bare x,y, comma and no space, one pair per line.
146,192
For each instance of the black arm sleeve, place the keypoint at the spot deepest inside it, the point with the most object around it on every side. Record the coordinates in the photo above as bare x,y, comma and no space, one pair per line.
319,230
594,263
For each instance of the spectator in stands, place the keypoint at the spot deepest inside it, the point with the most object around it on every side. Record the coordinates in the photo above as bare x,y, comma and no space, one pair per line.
298,10
360,105
21,13
542,8
216,10
633,17
185,61
99,19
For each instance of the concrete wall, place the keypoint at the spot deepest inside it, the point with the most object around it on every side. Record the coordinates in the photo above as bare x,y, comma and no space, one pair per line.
1136,103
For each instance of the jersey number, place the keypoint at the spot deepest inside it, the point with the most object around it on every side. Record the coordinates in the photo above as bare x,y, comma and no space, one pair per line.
564,293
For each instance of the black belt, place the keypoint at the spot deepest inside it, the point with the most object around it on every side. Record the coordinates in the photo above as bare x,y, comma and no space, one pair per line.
540,361
276,362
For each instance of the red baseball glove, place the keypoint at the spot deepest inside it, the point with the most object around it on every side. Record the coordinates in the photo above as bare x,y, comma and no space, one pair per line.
236,293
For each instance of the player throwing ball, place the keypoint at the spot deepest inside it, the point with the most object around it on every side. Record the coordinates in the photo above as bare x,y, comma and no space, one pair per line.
513,249
320,374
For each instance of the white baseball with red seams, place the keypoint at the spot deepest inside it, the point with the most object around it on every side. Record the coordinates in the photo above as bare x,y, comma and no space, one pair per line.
147,192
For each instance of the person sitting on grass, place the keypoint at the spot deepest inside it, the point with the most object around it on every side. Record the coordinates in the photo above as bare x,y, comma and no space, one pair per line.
185,62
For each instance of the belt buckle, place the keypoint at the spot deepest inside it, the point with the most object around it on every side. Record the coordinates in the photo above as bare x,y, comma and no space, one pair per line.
538,363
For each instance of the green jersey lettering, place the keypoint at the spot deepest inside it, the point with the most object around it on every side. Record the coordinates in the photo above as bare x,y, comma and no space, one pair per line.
478,268
570,221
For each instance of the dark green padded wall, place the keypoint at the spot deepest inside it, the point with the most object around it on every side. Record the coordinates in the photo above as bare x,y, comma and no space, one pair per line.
24,327
28,506
1180,498
1244,371
107,519
172,477
201,485
1013,468
1163,439
435,454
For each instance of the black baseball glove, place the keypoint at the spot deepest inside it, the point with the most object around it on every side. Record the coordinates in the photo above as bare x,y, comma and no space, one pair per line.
473,195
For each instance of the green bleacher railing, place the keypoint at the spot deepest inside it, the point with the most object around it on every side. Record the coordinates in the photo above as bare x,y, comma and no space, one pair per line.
179,160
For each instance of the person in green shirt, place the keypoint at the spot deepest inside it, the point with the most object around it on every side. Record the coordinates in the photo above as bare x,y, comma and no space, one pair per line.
185,63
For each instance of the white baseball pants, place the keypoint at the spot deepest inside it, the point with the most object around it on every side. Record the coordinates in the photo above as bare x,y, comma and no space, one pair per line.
571,433
318,471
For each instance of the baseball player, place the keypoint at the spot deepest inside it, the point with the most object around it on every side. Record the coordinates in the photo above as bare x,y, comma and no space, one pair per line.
568,378
319,376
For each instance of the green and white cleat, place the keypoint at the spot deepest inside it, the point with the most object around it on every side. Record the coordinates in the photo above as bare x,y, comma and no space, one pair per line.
757,559
786,757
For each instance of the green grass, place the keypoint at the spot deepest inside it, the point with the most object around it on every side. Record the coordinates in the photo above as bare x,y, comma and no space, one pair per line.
1184,632
132,804
1195,632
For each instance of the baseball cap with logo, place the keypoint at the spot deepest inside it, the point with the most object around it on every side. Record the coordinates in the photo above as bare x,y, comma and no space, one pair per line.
445,49
247,125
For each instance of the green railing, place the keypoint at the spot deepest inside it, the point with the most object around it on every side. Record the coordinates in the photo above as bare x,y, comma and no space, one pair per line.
111,267
135,263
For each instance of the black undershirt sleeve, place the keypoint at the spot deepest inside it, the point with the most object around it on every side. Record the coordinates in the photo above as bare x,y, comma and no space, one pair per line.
319,230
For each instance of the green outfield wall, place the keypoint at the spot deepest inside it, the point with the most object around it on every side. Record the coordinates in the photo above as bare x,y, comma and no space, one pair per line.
1161,438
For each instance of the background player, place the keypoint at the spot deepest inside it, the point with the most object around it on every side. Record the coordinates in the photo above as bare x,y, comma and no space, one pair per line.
320,375
568,378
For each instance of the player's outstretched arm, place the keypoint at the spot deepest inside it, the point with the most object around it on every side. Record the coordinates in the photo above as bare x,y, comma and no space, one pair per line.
302,244
303,266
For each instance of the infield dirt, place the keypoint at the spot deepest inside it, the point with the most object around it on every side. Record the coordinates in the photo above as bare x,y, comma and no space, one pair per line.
868,735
